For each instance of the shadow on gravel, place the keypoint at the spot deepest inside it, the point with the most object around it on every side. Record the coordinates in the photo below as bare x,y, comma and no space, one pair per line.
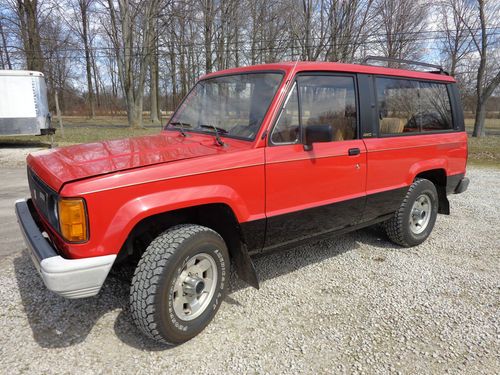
284,261
57,322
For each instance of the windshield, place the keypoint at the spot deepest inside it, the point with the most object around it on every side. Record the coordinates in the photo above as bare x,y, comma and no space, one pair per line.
233,105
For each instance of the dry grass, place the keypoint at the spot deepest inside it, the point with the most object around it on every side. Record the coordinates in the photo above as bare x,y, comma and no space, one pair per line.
491,123
83,130
485,151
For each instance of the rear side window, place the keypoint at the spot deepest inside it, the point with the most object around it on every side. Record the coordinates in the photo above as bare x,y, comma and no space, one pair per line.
435,108
397,105
409,106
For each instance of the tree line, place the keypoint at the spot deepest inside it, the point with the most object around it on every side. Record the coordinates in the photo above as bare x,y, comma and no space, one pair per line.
106,56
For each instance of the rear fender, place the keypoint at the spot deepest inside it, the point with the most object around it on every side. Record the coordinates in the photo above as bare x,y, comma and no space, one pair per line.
426,165
432,165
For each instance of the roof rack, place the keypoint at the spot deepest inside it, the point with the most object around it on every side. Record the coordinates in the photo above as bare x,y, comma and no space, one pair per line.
439,68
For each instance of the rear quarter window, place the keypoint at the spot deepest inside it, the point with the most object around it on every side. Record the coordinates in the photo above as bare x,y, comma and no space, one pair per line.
410,106
435,108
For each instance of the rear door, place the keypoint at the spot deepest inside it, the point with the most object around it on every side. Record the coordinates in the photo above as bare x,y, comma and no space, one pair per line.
316,191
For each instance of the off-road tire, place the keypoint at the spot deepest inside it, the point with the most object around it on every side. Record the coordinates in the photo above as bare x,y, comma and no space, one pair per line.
398,227
151,297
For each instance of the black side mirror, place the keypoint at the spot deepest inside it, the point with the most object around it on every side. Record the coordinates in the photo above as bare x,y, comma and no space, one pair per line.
317,133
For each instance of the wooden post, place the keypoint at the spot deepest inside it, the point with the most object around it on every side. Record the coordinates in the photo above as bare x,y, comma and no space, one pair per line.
58,112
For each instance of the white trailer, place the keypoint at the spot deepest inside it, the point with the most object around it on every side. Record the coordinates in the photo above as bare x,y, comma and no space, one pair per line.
24,109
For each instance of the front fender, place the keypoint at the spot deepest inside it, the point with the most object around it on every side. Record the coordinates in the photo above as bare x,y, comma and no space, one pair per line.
142,207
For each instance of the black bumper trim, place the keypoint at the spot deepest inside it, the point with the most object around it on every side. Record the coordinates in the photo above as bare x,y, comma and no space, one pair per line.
452,182
37,243
462,185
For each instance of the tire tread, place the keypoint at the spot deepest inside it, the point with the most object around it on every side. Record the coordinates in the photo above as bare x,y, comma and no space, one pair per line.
394,227
147,276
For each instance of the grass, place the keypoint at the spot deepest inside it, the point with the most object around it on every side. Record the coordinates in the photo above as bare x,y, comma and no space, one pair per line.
83,130
491,124
482,151
485,151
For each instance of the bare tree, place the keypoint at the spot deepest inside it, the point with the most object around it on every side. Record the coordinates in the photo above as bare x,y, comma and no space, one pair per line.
208,11
268,30
4,50
59,51
401,22
27,12
348,23
161,46
84,6
310,28
131,35
153,70
79,23
485,86
455,16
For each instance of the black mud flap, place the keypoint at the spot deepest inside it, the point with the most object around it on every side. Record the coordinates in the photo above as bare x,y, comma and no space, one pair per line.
444,204
245,267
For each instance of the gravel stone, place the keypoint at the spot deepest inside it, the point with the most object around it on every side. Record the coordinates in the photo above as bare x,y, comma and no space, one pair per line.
354,304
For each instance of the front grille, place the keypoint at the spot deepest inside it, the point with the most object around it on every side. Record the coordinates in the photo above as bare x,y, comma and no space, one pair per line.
44,198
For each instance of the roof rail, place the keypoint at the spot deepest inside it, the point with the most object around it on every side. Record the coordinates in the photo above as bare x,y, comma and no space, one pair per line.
409,62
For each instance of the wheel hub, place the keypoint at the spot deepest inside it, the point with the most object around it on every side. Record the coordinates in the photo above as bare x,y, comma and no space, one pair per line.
420,214
195,286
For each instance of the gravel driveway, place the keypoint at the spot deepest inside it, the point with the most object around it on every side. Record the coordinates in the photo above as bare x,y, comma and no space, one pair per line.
354,304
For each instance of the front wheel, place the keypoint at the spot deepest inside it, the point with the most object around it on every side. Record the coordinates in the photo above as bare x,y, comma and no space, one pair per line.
179,283
415,219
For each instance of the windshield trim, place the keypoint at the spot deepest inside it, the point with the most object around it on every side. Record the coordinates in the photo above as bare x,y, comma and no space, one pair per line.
167,126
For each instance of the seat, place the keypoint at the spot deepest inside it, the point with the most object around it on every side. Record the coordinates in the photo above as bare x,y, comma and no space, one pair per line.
392,125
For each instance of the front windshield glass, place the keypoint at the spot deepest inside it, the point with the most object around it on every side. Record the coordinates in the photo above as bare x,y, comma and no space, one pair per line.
235,105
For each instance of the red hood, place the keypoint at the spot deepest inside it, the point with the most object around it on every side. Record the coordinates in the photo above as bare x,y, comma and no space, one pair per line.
60,165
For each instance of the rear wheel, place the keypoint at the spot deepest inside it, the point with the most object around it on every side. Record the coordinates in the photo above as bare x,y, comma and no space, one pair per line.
179,283
415,219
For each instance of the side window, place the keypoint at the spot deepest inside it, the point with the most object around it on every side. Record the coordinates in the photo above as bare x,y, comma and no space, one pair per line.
329,100
287,129
397,105
435,108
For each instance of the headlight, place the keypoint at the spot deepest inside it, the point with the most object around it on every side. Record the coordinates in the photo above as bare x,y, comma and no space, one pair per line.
73,219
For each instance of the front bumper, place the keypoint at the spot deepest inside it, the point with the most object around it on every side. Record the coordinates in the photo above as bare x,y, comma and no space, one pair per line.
70,278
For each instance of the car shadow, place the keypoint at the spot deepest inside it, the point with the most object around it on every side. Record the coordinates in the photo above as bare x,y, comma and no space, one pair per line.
57,322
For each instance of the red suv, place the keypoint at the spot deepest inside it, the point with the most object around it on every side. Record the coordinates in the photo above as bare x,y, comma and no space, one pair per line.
253,159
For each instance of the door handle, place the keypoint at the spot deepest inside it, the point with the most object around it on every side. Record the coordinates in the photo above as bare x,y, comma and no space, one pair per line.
354,151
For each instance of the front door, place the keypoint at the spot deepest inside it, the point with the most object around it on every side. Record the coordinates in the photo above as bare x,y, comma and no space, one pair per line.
316,191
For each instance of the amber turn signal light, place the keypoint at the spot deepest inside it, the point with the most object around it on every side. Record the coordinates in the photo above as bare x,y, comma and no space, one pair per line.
73,219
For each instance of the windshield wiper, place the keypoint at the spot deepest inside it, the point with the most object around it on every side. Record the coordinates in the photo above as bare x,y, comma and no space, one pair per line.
218,139
216,128
182,124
